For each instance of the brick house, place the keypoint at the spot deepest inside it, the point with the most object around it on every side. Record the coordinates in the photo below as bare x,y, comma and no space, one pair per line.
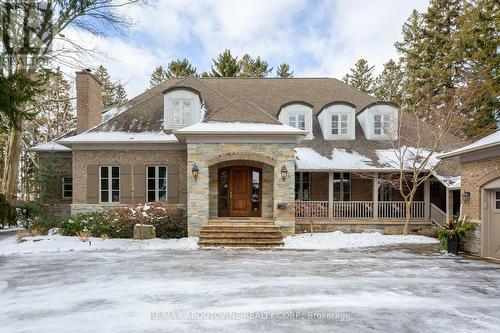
271,150
480,185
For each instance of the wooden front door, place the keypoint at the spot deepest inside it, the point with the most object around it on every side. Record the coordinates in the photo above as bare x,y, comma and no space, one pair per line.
240,191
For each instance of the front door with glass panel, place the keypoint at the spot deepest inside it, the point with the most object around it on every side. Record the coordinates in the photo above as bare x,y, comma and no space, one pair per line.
239,191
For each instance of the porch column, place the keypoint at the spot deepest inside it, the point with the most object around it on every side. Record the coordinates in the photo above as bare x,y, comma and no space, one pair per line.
427,199
330,195
375,196
448,204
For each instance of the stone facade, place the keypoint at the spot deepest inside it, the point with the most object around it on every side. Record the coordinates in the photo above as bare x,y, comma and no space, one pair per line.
135,161
275,155
474,175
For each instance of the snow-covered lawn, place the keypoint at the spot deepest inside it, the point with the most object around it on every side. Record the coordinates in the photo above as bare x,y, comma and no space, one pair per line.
326,241
58,243
339,240
402,288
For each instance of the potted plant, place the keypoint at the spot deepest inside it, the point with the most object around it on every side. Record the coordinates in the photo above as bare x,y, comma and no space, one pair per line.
453,233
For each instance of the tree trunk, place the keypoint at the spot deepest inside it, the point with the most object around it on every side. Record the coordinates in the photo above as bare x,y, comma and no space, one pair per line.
408,217
11,166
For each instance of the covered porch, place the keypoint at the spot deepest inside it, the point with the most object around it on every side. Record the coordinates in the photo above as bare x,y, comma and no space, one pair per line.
350,198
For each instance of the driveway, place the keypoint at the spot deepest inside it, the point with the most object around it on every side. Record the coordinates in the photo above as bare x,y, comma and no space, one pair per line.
403,288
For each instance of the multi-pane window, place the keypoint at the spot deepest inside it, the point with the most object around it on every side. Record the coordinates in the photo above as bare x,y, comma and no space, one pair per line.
302,186
182,112
497,200
297,121
110,183
156,183
67,187
381,124
341,186
339,124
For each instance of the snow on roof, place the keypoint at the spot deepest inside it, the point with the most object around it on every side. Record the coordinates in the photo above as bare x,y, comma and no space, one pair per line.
120,137
239,128
488,141
112,112
49,146
341,159
451,182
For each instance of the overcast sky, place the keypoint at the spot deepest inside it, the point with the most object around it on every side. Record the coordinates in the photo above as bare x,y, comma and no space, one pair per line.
316,37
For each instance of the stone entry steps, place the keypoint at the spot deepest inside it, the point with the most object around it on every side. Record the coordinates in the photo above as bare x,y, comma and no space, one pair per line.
240,233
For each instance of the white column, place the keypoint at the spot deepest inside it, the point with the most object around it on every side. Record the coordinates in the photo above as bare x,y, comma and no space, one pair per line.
330,194
427,199
448,202
375,196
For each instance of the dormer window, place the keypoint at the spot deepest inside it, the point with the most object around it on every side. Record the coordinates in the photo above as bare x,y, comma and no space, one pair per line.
182,108
337,121
379,121
297,121
339,124
182,112
381,124
298,115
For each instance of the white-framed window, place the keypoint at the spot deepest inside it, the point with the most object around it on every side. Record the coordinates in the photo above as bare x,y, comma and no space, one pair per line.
340,124
381,124
341,186
67,187
297,121
182,112
303,186
497,200
156,183
109,186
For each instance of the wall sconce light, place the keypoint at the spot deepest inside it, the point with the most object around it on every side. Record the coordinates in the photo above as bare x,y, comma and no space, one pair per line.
466,197
195,172
284,172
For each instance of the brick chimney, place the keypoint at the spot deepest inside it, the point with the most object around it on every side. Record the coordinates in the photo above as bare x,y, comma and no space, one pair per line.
88,101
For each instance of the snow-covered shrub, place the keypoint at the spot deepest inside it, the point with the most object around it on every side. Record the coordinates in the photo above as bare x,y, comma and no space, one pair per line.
169,221
71,226
117,223
36,217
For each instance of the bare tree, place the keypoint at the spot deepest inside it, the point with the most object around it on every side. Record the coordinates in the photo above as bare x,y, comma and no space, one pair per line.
32,38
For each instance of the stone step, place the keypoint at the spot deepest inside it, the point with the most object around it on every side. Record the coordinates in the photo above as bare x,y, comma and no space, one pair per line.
223,228
241,222
205,234
250,245
232,241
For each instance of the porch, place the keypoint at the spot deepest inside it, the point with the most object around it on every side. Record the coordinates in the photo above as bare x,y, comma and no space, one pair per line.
351,199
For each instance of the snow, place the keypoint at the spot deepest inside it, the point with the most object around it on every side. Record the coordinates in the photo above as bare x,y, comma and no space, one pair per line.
11,229
341,159
239,128
451,182
339,240
488,141
57,243
50,146
398,289
113,112
120,137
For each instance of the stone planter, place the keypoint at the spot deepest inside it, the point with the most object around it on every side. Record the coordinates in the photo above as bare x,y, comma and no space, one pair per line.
144,231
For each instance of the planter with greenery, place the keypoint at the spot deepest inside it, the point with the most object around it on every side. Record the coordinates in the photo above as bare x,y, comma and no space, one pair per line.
453,234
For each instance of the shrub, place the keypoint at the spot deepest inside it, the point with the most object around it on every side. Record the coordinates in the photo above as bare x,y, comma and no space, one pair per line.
169,222
117,223
36,217
71,226
84,236
454,229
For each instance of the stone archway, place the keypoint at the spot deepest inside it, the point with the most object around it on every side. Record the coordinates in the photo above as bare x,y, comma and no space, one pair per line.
242,156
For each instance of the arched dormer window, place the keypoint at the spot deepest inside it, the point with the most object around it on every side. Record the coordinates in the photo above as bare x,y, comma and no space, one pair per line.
338,121
298,115
181,108
379,121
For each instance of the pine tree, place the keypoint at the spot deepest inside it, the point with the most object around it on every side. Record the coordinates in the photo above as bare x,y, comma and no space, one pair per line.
226,65
361,76
388,85
180,68
253,67
284,71
158,76
108,89
120,94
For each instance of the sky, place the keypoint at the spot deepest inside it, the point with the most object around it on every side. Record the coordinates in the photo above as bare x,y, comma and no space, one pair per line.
318,38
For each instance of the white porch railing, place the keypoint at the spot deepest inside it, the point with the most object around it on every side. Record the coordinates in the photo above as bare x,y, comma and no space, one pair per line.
358,209
437,215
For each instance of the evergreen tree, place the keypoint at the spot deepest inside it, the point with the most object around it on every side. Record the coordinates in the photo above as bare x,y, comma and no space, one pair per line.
180,68
284,71
120,94
361,76
253,67
108,91
226,65
388,85
158,76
